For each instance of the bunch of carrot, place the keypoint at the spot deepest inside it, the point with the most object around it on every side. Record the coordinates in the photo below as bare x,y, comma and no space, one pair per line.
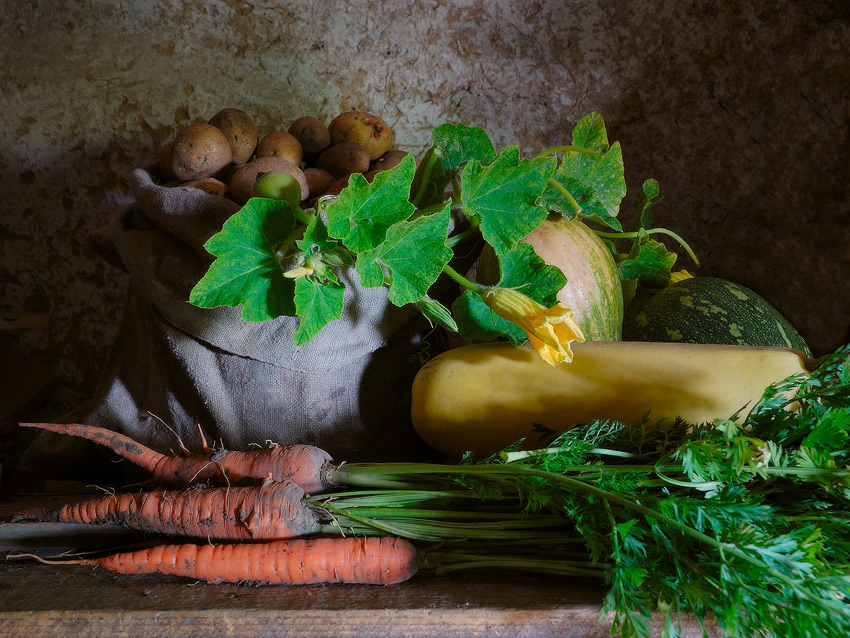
277,515
255,501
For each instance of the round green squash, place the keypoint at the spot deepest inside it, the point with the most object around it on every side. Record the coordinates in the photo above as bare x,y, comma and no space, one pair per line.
713,310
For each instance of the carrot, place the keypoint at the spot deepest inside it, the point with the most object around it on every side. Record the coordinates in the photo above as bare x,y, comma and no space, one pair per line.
371,561
270,511
304,464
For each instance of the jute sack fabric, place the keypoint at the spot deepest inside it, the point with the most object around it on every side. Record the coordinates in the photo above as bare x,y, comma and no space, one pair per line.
174,367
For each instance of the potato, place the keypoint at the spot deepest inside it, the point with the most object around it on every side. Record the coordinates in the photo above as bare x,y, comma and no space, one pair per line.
200,150
388,160
370,131
240,131
344,159
229,172
318,180
209,185
280,144
313,135
338,184
165,162
242,182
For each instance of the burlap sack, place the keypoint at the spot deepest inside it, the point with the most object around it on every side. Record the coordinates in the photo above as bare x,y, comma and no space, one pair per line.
174,366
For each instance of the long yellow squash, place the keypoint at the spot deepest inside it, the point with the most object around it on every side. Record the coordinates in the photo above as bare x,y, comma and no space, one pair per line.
483,397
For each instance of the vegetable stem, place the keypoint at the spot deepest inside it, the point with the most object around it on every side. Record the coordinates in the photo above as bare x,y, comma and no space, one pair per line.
567,148
463,281
462,236
566,194
426,178
651,231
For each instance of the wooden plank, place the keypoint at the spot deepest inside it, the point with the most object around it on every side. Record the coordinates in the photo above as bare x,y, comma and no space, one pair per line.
471,606
420,623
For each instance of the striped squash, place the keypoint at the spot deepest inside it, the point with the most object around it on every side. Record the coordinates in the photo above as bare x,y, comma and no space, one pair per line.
593,291
713,310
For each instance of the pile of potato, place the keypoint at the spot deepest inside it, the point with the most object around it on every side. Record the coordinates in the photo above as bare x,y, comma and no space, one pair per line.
226,155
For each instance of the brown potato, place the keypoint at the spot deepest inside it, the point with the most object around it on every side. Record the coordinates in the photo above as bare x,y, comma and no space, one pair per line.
165,162
229,172
209,185
344,159
280,144
338,184
313,135
318,180
370,131
242,183
240,131
388,160
200,150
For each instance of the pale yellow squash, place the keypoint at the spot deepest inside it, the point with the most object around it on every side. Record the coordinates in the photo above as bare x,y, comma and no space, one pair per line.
483,397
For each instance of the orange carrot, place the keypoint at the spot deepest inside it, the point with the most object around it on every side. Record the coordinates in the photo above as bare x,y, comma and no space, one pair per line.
371,561
304,464
269,511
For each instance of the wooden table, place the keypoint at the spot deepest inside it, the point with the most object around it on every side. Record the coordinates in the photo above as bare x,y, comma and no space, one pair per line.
56,600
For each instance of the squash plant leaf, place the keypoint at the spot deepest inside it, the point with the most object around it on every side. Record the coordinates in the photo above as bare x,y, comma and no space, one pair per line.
503,196
364,211
246,270
594,177
456,144
317,303
413,253
648,262
650,195
315,239
522,269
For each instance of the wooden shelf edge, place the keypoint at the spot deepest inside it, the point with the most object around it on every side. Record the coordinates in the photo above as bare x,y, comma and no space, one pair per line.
575,622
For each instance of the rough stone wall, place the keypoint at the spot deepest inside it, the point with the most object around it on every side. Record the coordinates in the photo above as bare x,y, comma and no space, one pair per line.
741,111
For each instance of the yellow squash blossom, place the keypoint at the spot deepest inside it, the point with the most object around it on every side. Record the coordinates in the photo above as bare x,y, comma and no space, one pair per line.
679,275
550,330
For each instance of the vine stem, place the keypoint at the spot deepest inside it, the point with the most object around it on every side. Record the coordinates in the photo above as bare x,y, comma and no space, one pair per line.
565,193
426,178
463,281
462,236
567,148
302,215
651,231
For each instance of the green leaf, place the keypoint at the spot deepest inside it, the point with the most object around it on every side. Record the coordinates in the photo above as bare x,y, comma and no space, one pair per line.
503,195
246,270
317,304
590,133
315,239
364,211
413,253
650,195
456,144
595,178
649,262
523,269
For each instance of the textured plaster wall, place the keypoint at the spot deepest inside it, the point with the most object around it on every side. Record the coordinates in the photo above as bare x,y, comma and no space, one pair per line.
740,109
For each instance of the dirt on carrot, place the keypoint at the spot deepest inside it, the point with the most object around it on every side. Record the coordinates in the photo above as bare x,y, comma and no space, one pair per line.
373,560
306,465
273,510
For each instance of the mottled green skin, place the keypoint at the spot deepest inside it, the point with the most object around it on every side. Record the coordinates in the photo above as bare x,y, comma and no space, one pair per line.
712,310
